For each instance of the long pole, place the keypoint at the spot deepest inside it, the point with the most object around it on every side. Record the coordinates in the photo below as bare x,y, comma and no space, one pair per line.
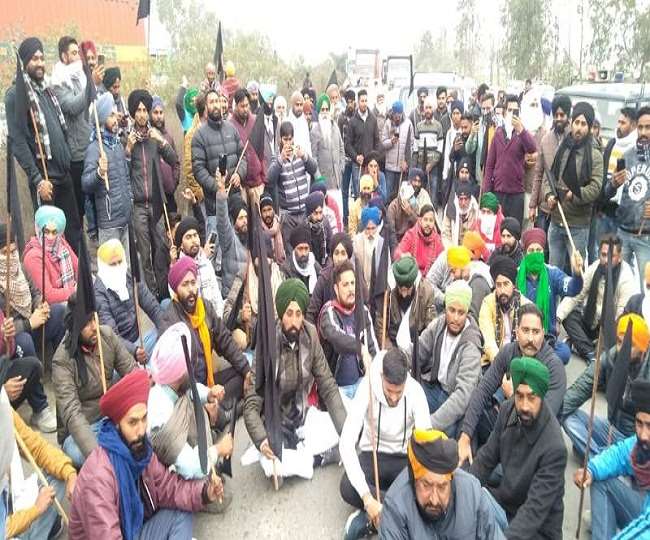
43,291
136,301
590,430
384,322
8,280
243,153
99,140
40,474
566,226
101,352
40,147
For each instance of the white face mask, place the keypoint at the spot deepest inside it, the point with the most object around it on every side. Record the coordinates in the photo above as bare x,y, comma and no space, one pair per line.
114,277
487,223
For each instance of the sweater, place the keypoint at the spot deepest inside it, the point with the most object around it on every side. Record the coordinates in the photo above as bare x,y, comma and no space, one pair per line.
289,182
504,168
635,194
32,264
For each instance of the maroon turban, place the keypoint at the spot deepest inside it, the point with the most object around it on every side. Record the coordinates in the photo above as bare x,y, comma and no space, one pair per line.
179,270
131,390
533,236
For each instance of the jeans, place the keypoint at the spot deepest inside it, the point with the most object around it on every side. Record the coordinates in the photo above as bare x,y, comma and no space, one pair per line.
614,505
117,233
42,527
563,351
30,368
640,247
499,512
345,189
575,426
91,214
559,246
600,225
71,448
393,183
512,205
3,513
581,337
350,390
149,340
436,396
168,524
54,332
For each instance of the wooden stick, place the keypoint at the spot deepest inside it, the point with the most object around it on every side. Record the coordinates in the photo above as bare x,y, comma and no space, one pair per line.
8,280
101,352
214,478
641,228
384,323
38,144
275,475
40,474
136,301
169,229
99,139
373,437
590,430
566,226
43,292
243,153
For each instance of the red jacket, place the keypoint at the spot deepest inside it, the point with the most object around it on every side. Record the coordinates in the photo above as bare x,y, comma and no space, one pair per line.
255,175
32,261
95,511
425,249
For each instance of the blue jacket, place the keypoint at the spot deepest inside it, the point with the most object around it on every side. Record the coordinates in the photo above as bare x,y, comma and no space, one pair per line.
120,196
561,285
120,316
616,461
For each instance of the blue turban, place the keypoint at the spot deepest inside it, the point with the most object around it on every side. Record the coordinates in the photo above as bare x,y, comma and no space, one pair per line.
457,104
397,107
414,171
157,101
104,104
370,213
46,215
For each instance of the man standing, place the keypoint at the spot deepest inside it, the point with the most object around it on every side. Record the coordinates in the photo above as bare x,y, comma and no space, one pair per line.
577,173
69,86
400,402
232,231
450,359
397,142
363,136
482,135
39,107
441,114
504,168
417,114
327,147
453,138
434,499
430,130
300,364
344,122
633,214
299,122
580,314
527,442
171,173
125,491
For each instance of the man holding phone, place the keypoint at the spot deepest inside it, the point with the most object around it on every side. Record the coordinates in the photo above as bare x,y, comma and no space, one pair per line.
504,169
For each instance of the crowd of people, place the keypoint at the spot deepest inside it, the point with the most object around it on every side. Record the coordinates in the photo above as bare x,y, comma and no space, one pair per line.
430,276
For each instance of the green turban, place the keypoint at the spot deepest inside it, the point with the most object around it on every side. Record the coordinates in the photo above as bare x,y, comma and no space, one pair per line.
322,99
489,200
459,292
530,371
188,101
291,290
405,271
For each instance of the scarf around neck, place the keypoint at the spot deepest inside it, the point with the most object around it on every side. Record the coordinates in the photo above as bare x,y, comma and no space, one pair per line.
21,295
533,264
309,272
197,320
599,275
59,255
641,470
275,232
573,180
128,471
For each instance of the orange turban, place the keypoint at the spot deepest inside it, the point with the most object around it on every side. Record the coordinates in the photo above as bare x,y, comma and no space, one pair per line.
640,333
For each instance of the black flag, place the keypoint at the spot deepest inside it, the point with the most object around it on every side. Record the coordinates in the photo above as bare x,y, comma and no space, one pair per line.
258,134
199,412
608,315
133,257
379,278
13,201
226,465
84,307
144,9
333,79
412,76
618,378
218,54
359,312
266,380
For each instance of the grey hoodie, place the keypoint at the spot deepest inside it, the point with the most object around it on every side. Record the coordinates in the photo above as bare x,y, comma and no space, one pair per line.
636,192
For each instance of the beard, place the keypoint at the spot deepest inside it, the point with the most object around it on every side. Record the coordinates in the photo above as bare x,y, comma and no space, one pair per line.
291,334
302,261
215,116
242,234
504,301
508,248
526,419
559,127
325,127
138,447
188,303
159,124
365,196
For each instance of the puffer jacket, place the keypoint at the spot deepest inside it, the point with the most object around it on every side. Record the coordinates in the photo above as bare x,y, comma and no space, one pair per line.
210,142
396,153
114,207
32,266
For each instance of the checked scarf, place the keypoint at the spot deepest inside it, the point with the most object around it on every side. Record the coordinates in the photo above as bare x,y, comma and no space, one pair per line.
59,254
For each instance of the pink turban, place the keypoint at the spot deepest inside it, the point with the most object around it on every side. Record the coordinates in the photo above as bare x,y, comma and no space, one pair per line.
168,358
179,270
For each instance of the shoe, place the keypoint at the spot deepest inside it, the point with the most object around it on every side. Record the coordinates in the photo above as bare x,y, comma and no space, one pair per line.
44,421
358,526
57,529
330,456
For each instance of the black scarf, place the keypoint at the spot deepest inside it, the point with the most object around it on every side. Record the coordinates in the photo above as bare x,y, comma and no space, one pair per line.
590,309
570,174
318,241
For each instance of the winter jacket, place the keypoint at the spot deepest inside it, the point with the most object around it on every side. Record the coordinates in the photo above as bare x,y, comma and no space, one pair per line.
188,175
255,173
289,182
77,404
530,171
396,153
309,356
578,211
234,255
487,322
455,230
222,342
336,328
580,391
425,249
423,311
74,104
211,141
469,514
491,381
504,169
533,458
463,370
32,265
95,511
343,122
616,461
547,149
363,136
171,173
321,238
634,304
113,208
474,146
329,154
626,287
561,286
399,219
635,195
121,316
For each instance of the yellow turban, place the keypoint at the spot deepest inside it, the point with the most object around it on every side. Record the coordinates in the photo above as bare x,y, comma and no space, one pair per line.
640,333
458,257
109,250
431,450
366,182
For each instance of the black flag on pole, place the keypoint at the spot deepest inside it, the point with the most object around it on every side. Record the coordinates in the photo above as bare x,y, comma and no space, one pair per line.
333,78
13,202
608,315
258,134
618,378
133,257
144,10
84,307
218,54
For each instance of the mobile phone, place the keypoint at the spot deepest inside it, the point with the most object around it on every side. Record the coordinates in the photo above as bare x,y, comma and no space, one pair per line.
212,238
223,162
101,59
620,164
515,114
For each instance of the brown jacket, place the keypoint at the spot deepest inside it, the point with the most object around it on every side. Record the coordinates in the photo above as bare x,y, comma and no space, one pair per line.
77,404
190,181
399,220
530,173
546,154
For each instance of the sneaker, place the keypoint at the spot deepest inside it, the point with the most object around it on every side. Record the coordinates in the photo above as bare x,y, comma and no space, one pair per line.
330,456
44,421
357,526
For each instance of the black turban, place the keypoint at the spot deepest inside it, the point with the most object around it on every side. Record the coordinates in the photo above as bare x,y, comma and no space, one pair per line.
343,239
110,76
502,265
640,391
584,109
187,224
235,206
300,235
561,102
431,450
28,48
139,96
511,225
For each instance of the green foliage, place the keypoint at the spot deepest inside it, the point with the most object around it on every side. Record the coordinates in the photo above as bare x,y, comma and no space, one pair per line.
467,38
433,55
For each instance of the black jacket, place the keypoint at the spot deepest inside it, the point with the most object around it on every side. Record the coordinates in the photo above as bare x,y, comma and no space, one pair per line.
363,137
533,460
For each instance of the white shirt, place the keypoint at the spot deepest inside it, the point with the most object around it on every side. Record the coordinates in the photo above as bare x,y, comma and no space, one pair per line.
449,344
